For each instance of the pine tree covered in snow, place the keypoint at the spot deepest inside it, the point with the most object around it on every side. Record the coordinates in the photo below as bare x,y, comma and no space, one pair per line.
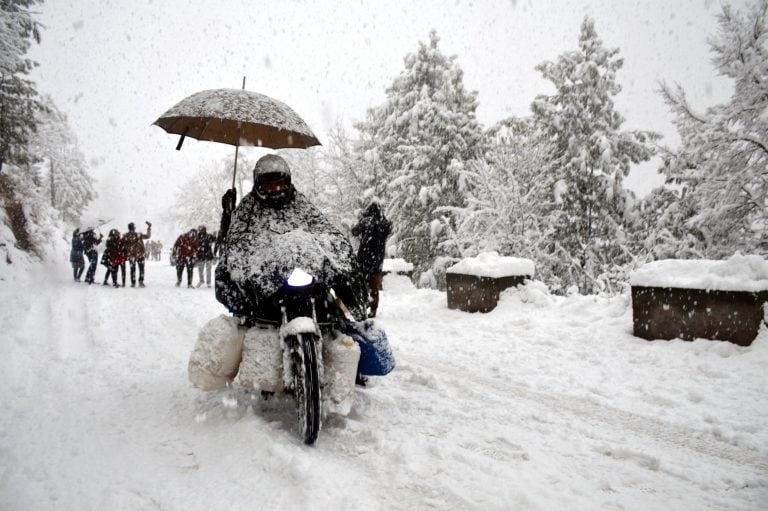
30,224
349,178
55,145
658,228
721,168
18,96
424,135
307,174
591,158
509,198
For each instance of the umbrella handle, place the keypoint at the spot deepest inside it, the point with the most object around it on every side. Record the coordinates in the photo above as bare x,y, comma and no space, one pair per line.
181,141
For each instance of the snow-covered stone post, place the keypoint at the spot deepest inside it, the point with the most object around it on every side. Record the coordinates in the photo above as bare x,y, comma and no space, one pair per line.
692,299
474,284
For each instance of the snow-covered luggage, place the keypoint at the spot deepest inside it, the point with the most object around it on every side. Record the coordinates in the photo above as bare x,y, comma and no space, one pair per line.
216,357
262,364
340,359
376,358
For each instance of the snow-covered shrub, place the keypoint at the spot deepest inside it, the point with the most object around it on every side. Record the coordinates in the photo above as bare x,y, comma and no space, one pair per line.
437,279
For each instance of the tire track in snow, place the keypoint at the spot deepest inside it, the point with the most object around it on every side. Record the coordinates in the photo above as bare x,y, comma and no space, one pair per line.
584,408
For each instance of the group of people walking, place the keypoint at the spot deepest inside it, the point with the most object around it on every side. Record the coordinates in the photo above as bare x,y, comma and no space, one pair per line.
119,250
195,248
153,249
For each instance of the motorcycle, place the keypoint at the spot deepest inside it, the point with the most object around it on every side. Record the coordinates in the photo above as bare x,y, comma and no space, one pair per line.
309,326
308,345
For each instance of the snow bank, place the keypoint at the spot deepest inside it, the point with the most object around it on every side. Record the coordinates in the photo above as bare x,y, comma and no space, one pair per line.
396,266
738,273
491,264
532,292
14,263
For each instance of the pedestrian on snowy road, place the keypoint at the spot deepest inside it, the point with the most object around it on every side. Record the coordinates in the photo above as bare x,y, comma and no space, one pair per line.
184,253
205,244
114,257
373,229
134,250
90,242
76,255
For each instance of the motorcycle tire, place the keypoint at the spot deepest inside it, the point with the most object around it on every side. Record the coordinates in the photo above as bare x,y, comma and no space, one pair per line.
307,386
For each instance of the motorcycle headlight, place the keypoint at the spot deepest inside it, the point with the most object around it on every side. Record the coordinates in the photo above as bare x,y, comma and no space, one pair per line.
299,278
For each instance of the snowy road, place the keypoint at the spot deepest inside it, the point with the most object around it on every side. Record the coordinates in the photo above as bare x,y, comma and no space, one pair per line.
544,403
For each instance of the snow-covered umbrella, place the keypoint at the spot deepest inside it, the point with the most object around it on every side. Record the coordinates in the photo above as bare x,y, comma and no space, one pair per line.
92,223
237,117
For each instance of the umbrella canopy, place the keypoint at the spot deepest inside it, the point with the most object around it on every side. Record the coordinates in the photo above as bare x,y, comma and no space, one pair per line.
92,223
237,117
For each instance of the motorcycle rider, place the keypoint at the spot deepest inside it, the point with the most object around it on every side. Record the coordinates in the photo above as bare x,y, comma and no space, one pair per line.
273,230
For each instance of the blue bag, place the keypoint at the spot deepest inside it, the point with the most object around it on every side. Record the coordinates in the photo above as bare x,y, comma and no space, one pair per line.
376,357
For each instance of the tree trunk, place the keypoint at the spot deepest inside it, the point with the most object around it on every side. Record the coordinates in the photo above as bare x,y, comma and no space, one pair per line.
53,188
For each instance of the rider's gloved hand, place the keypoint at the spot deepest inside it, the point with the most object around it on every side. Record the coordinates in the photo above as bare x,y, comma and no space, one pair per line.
228,200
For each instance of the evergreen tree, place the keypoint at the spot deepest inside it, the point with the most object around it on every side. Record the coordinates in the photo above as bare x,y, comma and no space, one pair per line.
507,194
424,135
70,186
18,96
658,228
350,178
720,170
307,175
592,157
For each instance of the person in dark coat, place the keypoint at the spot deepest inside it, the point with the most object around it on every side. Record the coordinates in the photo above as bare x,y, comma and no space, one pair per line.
114,257
76,255
183,253
133,243
205,245
90,242
373,229
274,230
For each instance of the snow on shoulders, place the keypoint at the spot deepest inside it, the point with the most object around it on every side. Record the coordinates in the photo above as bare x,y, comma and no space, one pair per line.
396,266
738,273
491,264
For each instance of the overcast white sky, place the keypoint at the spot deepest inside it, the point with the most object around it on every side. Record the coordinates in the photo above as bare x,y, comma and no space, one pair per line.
114,66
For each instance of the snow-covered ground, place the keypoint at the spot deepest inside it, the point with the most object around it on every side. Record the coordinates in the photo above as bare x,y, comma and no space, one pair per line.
546,403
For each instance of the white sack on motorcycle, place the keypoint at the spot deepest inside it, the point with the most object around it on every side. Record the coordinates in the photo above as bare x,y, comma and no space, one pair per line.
262,365
215,360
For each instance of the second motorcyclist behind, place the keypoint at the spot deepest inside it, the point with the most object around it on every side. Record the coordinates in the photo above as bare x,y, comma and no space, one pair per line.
273,230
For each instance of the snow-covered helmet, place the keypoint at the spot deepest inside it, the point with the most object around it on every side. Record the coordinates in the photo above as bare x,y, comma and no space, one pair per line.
272,180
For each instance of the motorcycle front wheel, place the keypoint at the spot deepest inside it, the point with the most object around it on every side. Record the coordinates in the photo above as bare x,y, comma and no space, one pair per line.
306,380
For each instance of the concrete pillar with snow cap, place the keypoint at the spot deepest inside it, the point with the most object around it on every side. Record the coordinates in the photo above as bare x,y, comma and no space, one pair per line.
474,283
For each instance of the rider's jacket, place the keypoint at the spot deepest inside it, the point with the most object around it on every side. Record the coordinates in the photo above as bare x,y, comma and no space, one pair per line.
265,243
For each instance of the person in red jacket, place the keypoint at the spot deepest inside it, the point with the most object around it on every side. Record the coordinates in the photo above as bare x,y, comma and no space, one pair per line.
114,257
184,252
